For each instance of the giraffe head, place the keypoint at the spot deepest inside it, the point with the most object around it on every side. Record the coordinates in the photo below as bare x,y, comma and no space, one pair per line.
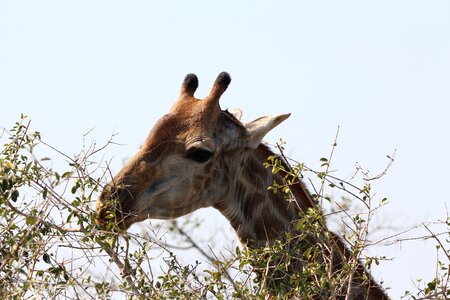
188,161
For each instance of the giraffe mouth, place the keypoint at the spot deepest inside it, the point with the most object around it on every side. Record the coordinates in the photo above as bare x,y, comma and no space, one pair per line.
145,202
128,208
113,205
158,187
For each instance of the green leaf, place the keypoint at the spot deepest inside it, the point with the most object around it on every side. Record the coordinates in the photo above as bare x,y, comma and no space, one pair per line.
9,165
5,185
30,220
111,242
46,258
110,215
74,188
14,195
70,216
431,286
67,174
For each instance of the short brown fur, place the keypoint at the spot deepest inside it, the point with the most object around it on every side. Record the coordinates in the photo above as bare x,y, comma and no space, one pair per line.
198,156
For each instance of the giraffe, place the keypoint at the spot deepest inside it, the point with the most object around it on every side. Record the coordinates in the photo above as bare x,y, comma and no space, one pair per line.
198,156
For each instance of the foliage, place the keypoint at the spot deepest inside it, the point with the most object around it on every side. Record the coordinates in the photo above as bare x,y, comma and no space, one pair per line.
51,247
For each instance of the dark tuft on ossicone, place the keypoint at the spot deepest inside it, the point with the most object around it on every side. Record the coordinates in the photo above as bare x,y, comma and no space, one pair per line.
220,86
190,83
223,79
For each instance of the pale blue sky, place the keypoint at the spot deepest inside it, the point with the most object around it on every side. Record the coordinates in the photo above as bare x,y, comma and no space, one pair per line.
379,69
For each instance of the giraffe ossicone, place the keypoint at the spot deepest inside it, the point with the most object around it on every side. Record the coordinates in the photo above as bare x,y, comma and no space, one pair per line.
199,155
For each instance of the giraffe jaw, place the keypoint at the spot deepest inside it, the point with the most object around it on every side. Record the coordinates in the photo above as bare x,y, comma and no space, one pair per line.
159,202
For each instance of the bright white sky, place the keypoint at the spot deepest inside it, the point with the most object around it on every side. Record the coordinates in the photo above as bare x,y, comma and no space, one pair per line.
379,69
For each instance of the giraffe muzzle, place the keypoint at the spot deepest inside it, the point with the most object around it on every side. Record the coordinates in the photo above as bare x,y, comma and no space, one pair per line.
110,208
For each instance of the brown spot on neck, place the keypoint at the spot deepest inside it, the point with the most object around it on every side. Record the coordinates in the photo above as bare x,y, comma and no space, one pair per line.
257,214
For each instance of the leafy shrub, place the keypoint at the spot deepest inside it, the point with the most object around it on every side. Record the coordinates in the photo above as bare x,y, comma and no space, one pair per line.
51,247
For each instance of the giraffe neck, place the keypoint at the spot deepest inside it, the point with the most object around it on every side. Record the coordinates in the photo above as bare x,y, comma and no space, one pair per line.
260,216
257,214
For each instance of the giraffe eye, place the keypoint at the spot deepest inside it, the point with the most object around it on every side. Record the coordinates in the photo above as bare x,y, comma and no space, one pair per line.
199,155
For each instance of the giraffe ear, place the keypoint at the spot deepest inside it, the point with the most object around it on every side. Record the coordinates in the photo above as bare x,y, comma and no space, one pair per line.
258,128
237,113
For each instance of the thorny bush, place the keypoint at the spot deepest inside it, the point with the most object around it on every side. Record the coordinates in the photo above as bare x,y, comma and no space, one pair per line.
51,247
